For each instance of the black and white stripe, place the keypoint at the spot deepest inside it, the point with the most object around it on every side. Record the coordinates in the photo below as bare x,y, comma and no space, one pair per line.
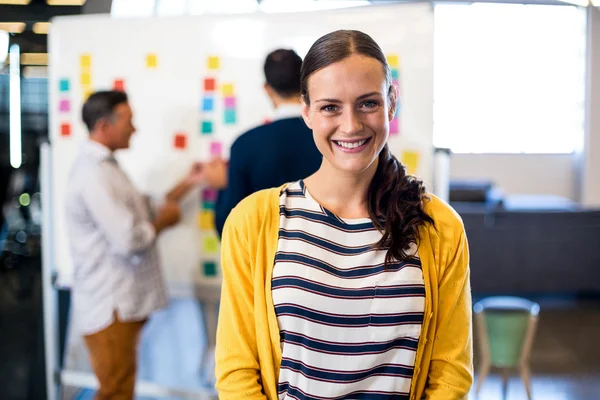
349,324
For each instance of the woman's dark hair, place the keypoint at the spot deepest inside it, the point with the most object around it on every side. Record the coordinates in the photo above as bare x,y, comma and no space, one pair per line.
396,200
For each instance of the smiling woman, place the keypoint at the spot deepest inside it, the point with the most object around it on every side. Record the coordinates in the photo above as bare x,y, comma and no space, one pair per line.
353,282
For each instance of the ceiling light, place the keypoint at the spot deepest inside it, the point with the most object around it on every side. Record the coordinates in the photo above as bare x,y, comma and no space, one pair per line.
12,27
34,58
15,2
41,28
65,2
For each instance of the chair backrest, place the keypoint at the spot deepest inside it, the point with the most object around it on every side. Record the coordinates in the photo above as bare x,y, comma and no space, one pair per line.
506,326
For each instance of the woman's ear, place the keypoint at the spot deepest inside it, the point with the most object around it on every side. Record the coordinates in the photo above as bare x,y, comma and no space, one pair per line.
393,101
306,113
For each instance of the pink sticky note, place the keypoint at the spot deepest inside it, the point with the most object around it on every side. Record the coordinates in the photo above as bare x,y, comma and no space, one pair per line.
394,126
64,105
209,195
229,102
216,148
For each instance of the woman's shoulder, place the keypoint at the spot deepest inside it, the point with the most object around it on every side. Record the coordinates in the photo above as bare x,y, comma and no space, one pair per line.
256,209
445,218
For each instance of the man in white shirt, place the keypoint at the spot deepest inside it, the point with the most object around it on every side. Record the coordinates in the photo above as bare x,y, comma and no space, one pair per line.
112,230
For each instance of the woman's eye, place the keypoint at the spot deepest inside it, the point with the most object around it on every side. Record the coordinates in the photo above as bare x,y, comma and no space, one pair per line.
329,108
370,104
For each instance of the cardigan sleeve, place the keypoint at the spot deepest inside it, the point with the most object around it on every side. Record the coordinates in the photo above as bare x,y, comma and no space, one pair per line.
451,370
236,355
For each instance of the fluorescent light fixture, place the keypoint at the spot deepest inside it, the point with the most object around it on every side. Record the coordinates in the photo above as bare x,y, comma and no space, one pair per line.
41,28
15,2
12,27
65,2
15,107
34,58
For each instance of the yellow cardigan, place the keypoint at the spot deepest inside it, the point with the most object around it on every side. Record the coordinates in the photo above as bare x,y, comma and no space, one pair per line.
248,350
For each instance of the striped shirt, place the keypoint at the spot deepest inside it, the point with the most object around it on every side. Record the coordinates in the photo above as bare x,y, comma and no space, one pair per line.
112,243
349,325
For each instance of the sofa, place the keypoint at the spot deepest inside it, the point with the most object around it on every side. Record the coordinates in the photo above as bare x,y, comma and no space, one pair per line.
528,245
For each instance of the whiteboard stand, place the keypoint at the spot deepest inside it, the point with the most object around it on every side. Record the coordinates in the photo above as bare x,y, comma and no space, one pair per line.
49,295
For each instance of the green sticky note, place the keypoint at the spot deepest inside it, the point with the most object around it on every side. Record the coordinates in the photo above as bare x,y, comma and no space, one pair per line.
207,127
64,85
208,205
395,74
211,245
210,268
230,116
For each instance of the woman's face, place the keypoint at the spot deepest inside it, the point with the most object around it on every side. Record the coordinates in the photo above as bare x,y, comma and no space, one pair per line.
349,112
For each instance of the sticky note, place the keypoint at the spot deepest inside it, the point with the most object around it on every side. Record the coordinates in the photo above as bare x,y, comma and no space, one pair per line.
210,268
410,159
209,195
63,85
393,60
209,84
208,205
229,102
206,219
87,91
394,126
206,127
151,60
395,74
208,104
65,129
229,116
85,61
86,78
211,245
214,62
216,148
64,105
119,84
228,89
180,141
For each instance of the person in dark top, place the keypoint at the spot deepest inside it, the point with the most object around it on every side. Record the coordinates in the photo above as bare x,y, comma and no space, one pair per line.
269,155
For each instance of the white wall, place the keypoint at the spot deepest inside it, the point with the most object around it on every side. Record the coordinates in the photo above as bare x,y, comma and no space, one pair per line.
520,173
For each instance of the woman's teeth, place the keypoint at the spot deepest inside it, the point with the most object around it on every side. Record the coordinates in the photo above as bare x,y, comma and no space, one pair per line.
351,145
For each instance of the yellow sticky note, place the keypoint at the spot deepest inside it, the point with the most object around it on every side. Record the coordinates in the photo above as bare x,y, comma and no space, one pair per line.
151,60
211,245
86,78
206,219
393,60
85,61
410,159
87,92
228,89
214,62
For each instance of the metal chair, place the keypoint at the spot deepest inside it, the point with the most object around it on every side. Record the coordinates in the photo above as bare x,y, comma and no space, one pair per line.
505,327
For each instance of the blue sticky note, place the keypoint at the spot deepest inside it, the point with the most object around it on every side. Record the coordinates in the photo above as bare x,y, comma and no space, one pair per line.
395,74
208,104
210,268
230,116
208,205
64,85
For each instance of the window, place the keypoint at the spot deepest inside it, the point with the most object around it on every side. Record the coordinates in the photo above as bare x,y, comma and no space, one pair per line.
509,78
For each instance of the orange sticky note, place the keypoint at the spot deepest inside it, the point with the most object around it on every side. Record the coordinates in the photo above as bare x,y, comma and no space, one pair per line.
393,60
65,129
214,62
151,60
206,219
85,61
410,159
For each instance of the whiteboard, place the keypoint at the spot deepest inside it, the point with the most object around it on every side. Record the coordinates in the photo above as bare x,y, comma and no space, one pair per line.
163,64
